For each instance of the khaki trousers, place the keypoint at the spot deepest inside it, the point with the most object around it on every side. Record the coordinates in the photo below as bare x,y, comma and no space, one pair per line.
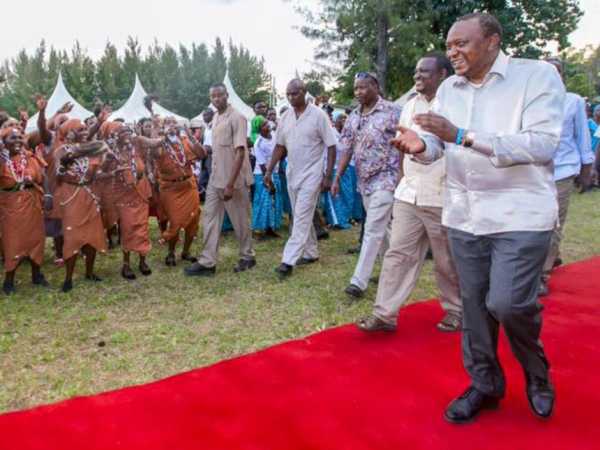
375,241
303,239
414,228
564,188
238,210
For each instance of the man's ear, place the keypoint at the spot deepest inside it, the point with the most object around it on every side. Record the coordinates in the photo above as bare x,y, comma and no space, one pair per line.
494,42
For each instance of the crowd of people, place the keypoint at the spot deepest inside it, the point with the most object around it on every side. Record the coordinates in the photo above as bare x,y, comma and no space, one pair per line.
477,167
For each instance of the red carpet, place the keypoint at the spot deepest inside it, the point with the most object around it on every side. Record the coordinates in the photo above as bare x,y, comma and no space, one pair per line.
342,389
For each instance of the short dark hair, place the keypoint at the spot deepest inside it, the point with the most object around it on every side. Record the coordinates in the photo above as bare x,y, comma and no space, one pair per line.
441,61
489,24
217,86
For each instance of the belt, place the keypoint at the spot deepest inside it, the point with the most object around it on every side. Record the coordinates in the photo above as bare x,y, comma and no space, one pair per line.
175,180
76,183
17,187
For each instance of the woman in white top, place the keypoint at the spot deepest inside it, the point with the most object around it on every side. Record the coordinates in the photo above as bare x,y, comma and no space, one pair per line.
267,207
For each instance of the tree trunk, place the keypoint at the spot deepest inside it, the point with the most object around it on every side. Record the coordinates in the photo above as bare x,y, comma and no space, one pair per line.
383,25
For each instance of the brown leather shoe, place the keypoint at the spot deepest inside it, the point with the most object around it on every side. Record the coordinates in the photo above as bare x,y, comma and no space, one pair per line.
373,323
450,323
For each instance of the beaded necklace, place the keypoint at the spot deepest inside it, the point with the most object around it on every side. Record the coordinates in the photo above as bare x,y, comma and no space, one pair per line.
176,151
17,170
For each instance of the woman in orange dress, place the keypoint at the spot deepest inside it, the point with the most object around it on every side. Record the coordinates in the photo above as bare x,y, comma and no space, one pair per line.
104,183
78,162
21,211
178,192
132,193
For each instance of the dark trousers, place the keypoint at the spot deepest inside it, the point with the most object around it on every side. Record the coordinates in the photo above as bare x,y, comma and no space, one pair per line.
499,280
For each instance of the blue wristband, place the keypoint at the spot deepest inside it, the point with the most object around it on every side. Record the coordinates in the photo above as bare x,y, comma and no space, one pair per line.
460,134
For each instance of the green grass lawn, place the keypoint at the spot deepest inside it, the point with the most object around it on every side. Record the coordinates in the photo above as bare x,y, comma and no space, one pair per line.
117,333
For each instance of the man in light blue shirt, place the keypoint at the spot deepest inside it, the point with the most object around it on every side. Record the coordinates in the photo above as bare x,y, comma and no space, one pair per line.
573,157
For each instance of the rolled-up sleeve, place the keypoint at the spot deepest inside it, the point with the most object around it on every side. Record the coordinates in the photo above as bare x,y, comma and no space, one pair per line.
541,124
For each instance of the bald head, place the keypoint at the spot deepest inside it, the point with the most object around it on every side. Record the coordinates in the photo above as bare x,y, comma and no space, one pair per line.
296,93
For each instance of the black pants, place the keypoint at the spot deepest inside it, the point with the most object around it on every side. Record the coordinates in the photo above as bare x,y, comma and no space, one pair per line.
499,278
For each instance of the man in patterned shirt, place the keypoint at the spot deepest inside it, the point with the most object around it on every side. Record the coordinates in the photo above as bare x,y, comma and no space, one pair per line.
366,136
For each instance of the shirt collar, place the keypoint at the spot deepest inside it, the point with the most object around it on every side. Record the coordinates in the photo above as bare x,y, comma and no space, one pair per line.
422,98
379,106
500,68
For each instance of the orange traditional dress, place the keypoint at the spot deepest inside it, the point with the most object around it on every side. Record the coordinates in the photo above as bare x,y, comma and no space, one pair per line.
21,211
104,186
132,192
79,207
178,194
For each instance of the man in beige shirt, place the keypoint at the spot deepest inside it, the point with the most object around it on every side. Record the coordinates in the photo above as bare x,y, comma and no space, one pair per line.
304,133
417,221
230,179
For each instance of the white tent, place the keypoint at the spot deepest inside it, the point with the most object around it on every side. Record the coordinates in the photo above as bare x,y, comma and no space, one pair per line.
59,97
235,101
134,109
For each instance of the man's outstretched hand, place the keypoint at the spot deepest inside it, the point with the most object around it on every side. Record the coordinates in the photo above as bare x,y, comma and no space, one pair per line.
407,141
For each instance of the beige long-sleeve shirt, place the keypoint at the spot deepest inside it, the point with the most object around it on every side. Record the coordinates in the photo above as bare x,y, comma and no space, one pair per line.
505,181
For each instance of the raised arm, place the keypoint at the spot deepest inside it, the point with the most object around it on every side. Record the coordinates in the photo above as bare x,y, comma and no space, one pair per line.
45,135
84,149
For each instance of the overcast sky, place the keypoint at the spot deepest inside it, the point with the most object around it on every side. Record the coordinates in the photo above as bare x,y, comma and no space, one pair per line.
266,27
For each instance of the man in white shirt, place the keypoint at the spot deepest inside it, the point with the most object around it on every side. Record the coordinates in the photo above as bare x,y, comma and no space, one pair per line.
574,157
417,221
498,121
304,133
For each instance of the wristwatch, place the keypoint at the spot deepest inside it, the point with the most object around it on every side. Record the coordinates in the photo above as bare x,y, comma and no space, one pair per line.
468,139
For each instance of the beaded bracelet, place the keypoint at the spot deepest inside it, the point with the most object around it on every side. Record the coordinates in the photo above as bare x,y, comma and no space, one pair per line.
460,134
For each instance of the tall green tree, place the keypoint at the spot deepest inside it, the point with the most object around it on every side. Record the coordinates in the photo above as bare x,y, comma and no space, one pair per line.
388,36
248,75
179,76
582,73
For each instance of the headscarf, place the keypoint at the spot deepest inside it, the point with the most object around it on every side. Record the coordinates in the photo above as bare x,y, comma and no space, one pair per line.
596,110
255,126
7,131
66,128
109,128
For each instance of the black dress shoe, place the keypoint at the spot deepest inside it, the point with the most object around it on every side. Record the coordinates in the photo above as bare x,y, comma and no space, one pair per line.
9,288
170,261
284,270
305,261
354,291
127,273
540,394
244,264
465,408
198,270
40,280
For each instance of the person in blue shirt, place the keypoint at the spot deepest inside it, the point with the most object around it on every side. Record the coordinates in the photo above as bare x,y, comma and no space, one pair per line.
573,157
593,124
